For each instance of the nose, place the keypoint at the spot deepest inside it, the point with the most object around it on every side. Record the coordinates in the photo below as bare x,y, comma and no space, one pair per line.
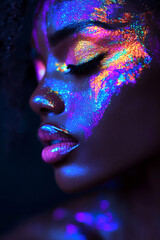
45,100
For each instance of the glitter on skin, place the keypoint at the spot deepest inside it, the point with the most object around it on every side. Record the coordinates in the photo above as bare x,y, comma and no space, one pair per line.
125,59
62,67
104,13
104,222
84,217
39,99
98,218
85,50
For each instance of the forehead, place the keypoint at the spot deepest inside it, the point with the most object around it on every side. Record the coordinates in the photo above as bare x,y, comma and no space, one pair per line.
56,14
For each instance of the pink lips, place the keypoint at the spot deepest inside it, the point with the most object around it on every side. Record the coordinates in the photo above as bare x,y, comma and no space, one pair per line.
58,143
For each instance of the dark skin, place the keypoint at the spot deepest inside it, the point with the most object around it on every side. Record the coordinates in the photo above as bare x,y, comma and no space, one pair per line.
135,204
129,122
125,143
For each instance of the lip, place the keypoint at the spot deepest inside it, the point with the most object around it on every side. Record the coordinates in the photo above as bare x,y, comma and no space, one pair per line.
57,141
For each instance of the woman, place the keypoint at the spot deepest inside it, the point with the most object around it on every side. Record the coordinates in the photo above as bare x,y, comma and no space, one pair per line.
98,99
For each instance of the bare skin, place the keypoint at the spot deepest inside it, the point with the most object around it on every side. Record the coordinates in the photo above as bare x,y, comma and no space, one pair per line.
112,136
134,205
124,143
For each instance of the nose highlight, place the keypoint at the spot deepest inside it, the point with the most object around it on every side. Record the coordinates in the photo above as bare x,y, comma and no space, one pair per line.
44,101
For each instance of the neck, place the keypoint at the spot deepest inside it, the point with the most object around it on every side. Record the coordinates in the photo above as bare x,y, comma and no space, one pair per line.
141,195
134,198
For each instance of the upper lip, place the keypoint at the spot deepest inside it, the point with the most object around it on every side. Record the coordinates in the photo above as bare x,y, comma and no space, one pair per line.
49,132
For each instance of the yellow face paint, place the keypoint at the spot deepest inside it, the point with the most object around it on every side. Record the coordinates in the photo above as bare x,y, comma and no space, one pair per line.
61,67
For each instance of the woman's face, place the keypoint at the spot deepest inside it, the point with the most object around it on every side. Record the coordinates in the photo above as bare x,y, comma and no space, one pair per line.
93,72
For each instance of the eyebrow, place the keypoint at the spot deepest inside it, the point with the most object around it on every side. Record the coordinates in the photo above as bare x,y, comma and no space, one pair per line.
65,32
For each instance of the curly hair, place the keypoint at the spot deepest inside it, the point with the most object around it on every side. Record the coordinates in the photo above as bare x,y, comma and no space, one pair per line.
16,68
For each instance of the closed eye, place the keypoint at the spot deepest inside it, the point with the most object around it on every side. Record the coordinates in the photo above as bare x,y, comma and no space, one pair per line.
87,67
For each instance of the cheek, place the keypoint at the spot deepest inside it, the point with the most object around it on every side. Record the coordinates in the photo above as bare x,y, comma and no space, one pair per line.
123,67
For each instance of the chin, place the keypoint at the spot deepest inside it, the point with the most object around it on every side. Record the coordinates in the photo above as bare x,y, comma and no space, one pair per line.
69,183
70,180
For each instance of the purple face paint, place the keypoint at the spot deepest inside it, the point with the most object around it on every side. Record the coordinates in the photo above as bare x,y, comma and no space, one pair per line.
103,48
125,56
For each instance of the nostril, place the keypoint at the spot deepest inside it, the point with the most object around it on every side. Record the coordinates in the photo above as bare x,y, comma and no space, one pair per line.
45,104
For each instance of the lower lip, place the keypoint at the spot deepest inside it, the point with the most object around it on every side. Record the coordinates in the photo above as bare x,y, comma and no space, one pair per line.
55,152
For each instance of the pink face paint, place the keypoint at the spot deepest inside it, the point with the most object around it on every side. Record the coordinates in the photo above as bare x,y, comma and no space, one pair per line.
40,69
125,56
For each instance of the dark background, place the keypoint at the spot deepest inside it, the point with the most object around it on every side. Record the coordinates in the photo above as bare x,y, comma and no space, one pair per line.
27,184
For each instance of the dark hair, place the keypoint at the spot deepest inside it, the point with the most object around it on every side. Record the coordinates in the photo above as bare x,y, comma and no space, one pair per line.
16,69
17,78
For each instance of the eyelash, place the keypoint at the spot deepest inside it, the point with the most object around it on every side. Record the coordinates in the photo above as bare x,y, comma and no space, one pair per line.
81,69
87,67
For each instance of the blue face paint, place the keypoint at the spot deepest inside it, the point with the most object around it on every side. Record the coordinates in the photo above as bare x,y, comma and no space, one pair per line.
101,219
126,57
